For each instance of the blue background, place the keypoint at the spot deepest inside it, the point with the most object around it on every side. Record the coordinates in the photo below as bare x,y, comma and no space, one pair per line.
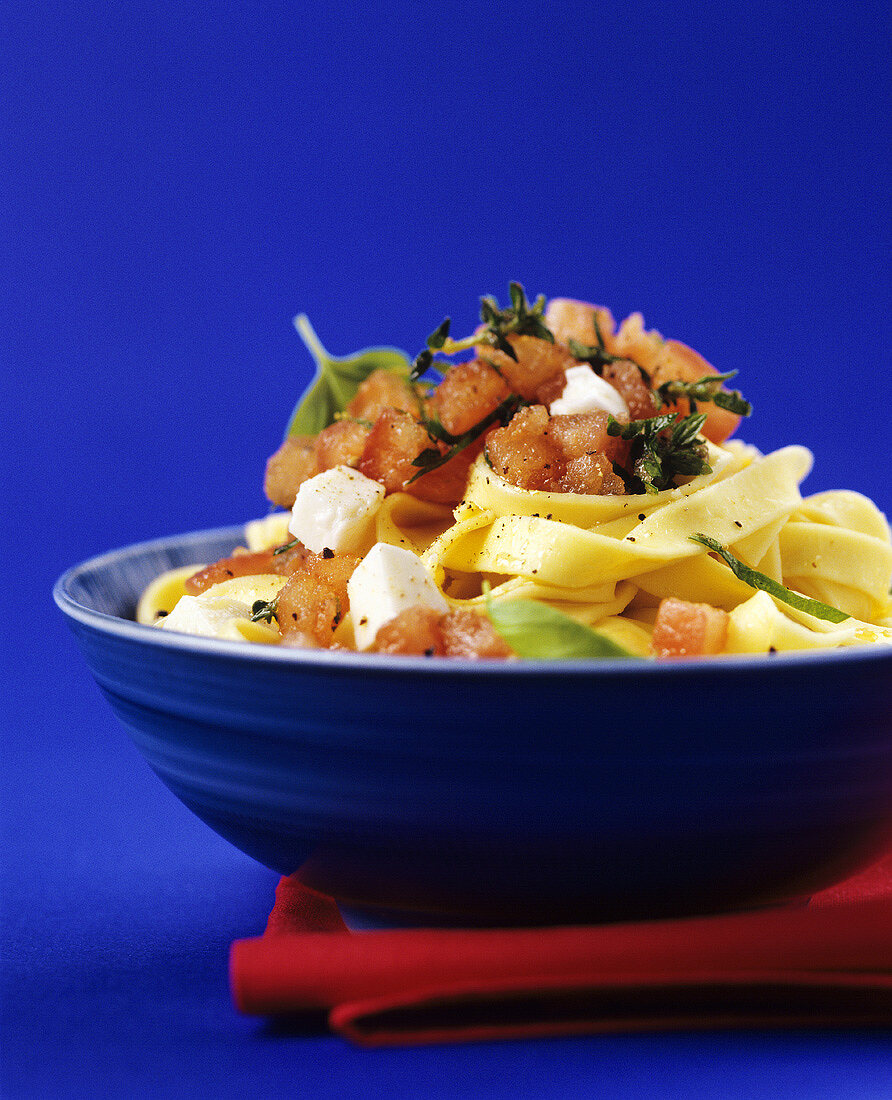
179,181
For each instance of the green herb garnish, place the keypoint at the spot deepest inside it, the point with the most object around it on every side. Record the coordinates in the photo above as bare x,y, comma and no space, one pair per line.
519,319
708,388
755,579
539,632
336,381
662,448
595,355
431,458
264,610
598,357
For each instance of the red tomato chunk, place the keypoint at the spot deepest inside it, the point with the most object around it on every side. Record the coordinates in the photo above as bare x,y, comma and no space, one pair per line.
421,631
684,629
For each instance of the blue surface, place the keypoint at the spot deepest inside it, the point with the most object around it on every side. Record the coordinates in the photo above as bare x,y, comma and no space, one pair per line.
177,184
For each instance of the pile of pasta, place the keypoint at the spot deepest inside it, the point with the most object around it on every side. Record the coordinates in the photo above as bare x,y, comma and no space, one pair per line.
570,490
608,561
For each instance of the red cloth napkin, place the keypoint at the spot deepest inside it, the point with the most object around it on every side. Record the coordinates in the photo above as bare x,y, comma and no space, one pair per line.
827,964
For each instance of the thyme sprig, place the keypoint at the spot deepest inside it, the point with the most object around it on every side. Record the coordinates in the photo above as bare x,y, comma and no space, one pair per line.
708,388
662,448
519,319
755,579
597,356
432,457
265,610
705,389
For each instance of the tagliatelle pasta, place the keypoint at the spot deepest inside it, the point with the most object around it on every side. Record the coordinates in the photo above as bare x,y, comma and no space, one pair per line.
594,556
629,558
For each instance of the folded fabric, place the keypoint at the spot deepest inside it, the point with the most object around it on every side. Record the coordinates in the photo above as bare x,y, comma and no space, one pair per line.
827,964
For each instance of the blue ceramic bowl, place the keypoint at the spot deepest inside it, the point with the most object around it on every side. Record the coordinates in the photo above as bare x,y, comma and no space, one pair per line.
520,792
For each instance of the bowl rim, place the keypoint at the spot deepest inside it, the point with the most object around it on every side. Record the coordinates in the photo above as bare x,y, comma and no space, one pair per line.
372,663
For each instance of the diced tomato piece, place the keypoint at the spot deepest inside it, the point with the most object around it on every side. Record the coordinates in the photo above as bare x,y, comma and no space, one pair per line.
340,444
467,634
314,599
582,433
422,631
551,390
685,629
646,347
308,612
246,565
414,632
393,444
286,470
684,364
446,484
395,440
560,454
538,361
625,377
383,389
670,360
569,320
469,392
523,453
591,474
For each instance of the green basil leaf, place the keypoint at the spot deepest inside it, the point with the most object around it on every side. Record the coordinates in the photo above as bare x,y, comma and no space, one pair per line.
336,380
755,579
538,632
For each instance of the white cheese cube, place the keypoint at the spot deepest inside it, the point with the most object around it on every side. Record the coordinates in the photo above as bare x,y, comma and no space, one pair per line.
336,510
207,616
585,391
387,581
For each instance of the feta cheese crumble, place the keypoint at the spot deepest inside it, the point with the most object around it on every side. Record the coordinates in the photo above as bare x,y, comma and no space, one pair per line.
336,510
208,617
585,391
387,581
